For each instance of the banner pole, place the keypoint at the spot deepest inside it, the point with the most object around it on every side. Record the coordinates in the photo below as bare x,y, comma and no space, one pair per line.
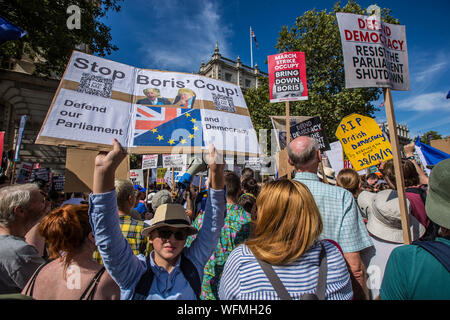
146,187
397,165
325,180
173,178
288,133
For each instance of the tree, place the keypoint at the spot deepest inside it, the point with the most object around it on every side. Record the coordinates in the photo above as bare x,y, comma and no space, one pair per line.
49,42
317,34
430,135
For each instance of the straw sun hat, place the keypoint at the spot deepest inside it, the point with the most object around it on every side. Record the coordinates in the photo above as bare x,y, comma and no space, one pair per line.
170,215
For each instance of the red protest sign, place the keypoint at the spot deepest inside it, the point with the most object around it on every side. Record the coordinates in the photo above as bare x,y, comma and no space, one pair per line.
287,77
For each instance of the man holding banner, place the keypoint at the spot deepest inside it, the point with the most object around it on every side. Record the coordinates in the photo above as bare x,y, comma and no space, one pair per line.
341,220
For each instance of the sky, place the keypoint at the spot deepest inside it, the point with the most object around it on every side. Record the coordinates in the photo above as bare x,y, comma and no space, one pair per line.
178,35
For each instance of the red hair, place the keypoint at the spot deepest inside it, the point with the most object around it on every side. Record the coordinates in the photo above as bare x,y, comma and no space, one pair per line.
65,229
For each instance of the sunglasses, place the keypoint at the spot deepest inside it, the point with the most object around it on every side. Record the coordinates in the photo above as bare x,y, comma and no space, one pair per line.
167,233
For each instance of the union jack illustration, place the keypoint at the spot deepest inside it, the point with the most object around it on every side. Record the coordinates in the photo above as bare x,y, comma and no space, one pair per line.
148,118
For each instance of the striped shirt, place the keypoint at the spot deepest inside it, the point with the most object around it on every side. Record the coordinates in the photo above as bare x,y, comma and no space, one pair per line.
243,278
341,219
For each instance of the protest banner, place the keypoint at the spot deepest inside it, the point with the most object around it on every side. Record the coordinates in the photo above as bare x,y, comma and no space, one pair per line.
376,55
253,163
375,52
336,156
311,128
149,161
24,174
23,121
287,81
80,170
58,183
279,126
173,175
174,160
137,177
287,77
160,174
362,141
2,135
147,111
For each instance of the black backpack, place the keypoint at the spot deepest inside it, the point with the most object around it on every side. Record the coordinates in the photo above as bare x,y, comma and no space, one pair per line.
187,268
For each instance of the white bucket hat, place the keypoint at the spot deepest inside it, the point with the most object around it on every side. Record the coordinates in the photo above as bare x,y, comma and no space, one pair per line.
330,174
384,219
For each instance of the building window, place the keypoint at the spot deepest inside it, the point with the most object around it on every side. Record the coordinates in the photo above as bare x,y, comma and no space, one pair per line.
228,76
248,83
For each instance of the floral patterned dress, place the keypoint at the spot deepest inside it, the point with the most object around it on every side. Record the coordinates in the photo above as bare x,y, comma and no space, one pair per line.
235,231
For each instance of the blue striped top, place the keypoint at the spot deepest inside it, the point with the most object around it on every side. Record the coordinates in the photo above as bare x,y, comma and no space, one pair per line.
243,278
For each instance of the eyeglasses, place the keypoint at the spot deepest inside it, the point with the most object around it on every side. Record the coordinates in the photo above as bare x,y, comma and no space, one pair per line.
167,233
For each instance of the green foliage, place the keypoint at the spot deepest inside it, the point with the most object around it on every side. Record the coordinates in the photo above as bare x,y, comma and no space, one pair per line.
48,37
317,34
430,134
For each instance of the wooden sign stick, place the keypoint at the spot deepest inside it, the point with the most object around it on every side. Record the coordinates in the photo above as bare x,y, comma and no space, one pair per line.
288,134
325,180
146,188
397,165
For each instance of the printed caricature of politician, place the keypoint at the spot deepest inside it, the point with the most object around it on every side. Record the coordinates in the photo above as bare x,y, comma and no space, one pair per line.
185,98
153,98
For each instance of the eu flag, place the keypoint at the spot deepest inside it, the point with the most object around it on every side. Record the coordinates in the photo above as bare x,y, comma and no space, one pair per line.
9,31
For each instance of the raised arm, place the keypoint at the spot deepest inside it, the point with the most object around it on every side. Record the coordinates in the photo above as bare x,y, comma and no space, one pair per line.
409,153
105,168
118,258
207,238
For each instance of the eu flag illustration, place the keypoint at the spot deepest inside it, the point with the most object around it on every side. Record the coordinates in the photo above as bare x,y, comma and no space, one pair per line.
169,127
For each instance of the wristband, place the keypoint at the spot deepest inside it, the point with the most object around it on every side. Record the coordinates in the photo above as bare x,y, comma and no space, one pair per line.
410,158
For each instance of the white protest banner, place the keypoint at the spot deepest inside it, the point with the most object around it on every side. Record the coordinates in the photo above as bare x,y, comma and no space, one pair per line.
253,163
137,177
174,160
287,77
149,161
375,53
336,156
147,111
176,176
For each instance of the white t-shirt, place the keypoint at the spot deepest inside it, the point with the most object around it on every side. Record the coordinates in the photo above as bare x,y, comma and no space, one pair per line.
375,258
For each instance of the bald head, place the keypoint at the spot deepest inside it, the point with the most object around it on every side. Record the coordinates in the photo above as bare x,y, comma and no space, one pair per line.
303,153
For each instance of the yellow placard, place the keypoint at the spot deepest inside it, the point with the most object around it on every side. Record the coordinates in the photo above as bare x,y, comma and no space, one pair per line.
363,142
160,173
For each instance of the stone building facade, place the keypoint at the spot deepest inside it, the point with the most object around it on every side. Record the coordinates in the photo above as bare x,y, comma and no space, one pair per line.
236,72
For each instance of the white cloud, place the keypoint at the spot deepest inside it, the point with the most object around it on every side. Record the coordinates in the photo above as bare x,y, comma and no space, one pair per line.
427,69
184,34
425,102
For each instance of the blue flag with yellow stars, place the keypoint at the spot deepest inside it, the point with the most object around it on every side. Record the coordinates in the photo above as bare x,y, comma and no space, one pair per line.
184,131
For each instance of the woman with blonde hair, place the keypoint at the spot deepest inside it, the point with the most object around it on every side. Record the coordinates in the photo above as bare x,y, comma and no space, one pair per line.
185,98
71,273
285,247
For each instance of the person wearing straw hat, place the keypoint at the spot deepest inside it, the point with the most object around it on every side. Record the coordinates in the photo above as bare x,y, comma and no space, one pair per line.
170,271
341,220
421,271
385,228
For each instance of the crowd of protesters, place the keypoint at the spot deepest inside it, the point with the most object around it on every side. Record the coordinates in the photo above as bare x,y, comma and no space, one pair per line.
305,237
